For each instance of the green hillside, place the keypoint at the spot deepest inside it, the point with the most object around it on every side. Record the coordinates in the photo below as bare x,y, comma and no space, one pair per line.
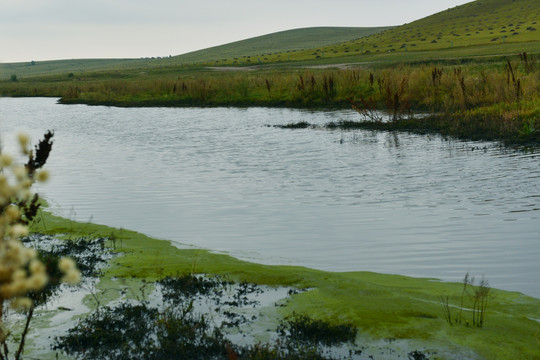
483,27
284,41
479,28
475,24
280,42
76,66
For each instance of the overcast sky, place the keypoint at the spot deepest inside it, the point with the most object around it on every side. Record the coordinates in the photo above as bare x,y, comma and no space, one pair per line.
69,29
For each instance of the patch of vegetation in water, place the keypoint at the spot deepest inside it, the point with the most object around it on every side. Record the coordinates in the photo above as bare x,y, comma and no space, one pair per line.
298,125
176,289
380,306
141,332
303,329
464,126
225,296
90,254
174,328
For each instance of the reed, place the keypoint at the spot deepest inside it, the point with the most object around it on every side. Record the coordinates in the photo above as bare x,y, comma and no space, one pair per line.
490,98
473,299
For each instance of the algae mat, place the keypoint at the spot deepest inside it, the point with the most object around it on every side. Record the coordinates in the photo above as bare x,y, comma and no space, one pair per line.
383,307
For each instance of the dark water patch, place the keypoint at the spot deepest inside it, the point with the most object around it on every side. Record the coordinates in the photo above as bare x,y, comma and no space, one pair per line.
90,254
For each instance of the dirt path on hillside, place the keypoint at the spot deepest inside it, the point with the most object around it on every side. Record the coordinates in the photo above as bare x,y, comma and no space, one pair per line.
344,66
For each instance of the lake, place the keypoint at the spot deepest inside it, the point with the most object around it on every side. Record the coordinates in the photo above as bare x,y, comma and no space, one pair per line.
221,179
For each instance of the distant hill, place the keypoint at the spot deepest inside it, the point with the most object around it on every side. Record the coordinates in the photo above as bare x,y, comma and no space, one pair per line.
482,22
478,22
75,66
482,27
280,42
290,40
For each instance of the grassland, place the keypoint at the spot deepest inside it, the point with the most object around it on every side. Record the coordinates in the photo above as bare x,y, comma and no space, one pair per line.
258,50
473,25
255,48
479,28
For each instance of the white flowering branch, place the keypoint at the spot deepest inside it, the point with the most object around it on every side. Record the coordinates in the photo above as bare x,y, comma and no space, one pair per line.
21,272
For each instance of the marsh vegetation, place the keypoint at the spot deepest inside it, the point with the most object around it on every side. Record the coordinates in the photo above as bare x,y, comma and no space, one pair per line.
489,101
194,320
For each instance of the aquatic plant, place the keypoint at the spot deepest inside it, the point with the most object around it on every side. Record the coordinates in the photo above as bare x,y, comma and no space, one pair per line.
137,330
467,281
481,294
417,355
303,329
478,296
90,254
297,125
446,309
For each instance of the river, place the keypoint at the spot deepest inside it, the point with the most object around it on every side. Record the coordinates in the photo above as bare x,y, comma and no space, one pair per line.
221,179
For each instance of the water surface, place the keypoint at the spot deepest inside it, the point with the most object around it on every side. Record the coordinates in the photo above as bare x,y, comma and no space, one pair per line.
221,179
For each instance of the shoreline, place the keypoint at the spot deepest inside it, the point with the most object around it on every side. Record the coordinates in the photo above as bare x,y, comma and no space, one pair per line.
474,125
381,306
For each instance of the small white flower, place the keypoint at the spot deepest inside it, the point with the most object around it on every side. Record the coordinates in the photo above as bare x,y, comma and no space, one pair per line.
66,264
19,230
42,176
6,160
24,139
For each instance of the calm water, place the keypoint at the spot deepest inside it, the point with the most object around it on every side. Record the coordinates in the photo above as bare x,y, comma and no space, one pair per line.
220,179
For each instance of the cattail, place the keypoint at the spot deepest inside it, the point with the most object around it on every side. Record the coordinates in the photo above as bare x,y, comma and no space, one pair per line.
268,86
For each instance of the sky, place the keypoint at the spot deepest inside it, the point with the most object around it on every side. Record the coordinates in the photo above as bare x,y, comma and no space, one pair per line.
73,29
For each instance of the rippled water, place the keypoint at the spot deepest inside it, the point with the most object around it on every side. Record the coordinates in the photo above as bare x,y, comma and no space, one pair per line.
220,179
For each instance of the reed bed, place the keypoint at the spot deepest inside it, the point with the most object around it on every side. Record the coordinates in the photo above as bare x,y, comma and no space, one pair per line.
474,98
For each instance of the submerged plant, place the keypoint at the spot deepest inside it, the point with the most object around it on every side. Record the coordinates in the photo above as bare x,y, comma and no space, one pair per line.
303,329
175,329
141,332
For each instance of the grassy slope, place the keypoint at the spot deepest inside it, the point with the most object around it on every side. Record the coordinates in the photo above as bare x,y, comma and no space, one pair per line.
475,24
382,306
277,43
297,39
76,66
483,27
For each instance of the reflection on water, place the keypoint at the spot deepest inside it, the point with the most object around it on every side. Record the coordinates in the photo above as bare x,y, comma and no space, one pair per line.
222,180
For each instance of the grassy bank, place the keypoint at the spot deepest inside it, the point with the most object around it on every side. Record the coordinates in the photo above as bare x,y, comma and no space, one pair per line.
496,98
493,101
387,307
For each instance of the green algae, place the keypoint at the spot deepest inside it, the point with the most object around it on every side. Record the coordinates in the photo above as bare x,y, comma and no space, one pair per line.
381,306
